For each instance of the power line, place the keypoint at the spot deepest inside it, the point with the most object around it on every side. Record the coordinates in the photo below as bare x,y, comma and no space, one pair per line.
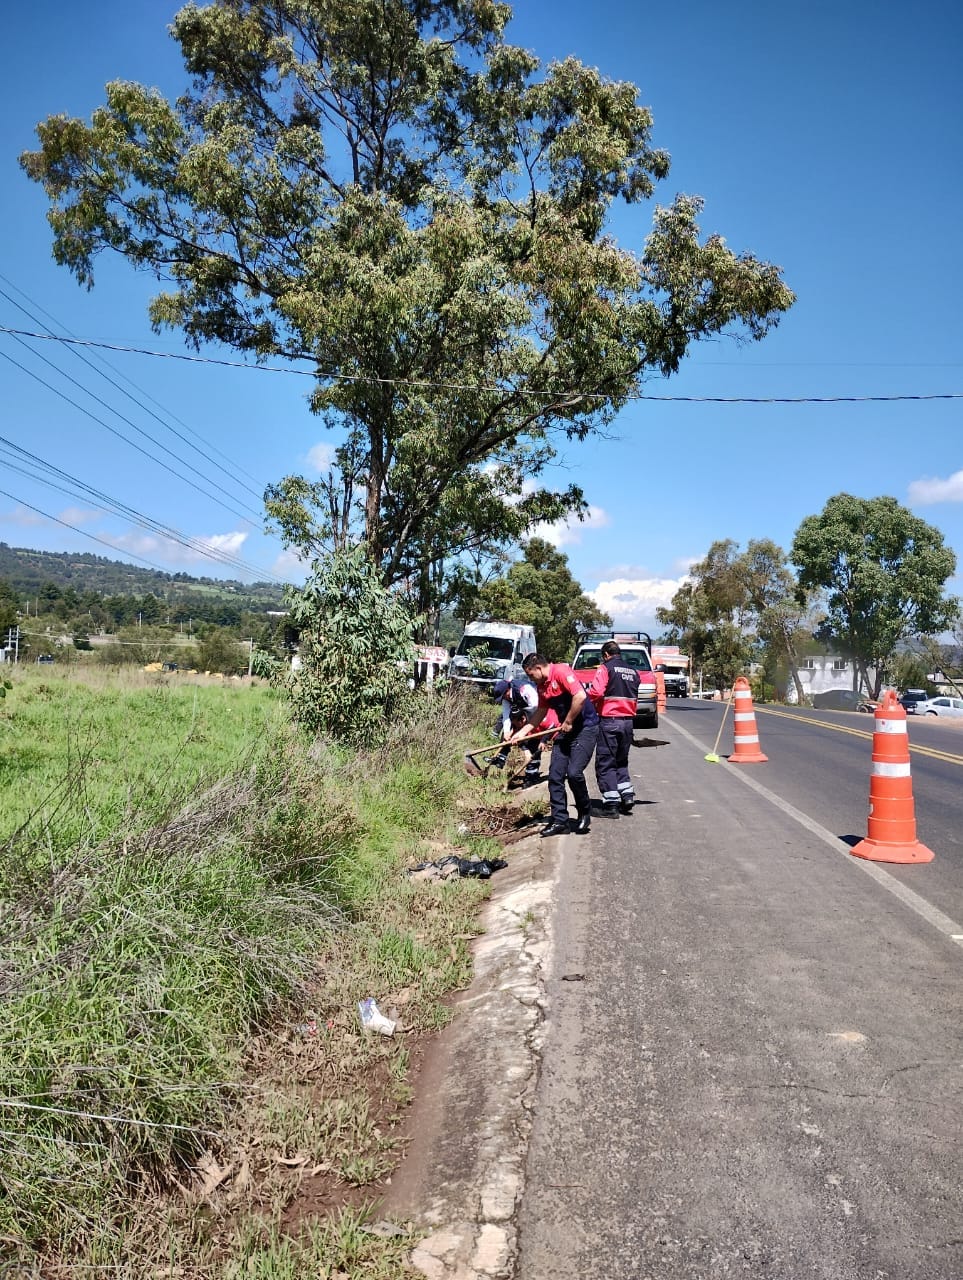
157,418
202,547
121,508
83,533
113,430
468,386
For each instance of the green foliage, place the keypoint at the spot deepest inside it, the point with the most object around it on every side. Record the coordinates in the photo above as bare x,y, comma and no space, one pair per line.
356,650
138,646
145,957
540,590
738,608
218,651
883,572
391,193
910,671
106,592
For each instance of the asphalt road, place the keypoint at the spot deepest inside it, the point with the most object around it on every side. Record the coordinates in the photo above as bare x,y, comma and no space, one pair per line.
819,761
758,1072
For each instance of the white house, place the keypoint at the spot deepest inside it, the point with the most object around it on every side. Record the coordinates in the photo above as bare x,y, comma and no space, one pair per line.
822,672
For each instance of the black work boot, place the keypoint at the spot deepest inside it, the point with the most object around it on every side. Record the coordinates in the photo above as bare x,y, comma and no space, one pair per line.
556,827
627,804
584,823
498,760
609,809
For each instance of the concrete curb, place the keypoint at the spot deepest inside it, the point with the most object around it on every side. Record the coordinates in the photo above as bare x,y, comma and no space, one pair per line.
491,1053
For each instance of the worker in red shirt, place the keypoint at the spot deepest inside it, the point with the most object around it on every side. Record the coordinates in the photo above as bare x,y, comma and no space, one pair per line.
559,690
614,692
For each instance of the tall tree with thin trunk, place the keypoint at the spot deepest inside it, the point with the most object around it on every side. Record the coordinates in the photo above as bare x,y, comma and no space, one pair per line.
390,193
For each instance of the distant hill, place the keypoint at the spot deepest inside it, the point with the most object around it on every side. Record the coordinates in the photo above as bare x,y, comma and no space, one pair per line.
26,571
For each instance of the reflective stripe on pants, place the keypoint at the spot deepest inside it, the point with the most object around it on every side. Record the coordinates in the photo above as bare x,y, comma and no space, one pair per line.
612,757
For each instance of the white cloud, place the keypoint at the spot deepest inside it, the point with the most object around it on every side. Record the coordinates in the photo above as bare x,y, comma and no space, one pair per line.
23,517
684,563
79,515
225,543
290,565
631,602
930,490
568,532
321,457
150,547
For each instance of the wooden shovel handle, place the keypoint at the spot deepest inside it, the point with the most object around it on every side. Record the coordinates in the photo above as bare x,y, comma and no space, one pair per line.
529,737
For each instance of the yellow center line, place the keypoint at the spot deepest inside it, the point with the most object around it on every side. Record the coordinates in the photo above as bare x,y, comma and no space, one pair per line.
933,752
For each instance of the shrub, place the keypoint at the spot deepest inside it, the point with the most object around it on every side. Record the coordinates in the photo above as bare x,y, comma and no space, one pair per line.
356,651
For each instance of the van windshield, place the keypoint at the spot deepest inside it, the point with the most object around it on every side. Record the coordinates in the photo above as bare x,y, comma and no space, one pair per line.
487,647
632,655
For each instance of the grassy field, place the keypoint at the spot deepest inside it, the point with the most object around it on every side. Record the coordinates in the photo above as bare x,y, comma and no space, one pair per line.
88,751
193,899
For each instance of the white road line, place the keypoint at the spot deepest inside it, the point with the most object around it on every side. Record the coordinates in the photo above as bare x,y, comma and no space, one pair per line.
931,914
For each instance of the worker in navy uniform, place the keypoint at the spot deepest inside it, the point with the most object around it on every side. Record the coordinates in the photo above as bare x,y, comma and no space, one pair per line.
560,690
519,702
615,692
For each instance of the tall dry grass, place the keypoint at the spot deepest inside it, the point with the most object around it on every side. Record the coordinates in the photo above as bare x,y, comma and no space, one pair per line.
164,899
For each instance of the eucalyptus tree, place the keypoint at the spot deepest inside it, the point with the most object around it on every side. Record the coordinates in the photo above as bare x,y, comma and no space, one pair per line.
740,605
783,613
393,195
706,615
882,572
541,590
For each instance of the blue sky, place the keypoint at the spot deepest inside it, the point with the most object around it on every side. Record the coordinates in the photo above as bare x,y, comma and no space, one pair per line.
825,138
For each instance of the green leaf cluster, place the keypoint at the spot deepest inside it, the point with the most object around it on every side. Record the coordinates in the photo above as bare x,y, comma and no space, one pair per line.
391,193
882,572
355,652
870,576
539,590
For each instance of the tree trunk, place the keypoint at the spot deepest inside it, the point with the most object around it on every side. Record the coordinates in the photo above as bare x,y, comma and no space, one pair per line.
373,494
800,691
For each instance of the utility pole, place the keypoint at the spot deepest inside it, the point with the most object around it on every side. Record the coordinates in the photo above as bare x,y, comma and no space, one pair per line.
250,657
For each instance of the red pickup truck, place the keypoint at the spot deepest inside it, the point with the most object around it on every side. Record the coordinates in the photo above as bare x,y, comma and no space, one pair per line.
636,647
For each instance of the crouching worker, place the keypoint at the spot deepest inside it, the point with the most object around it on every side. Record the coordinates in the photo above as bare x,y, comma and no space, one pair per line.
559,690
614,691
519,702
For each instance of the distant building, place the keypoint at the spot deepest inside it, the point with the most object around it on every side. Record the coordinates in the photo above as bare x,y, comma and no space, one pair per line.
821,672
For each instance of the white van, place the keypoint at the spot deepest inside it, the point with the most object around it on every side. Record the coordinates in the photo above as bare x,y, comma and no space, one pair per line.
490,651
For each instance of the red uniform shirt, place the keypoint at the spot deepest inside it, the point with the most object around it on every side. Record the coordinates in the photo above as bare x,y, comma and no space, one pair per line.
615,689
558,691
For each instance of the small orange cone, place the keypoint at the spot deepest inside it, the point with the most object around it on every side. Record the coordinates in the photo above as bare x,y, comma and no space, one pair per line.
745,747
891,833
660,691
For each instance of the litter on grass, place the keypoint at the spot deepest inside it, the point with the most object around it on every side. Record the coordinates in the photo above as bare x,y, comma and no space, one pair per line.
372,1019
451,867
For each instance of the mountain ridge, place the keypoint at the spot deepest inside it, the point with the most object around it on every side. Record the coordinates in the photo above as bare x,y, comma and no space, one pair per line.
27,570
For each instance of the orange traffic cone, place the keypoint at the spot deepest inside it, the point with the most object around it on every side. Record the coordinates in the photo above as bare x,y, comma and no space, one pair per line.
659,692
891,836
745,747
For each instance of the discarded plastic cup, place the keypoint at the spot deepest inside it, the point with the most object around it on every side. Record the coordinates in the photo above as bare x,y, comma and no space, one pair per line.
372,1019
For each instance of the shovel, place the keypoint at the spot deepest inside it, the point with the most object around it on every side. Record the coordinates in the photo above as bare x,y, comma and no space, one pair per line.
475,770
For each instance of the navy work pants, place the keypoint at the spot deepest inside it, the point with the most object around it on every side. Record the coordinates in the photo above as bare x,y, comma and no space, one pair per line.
570,758
612,759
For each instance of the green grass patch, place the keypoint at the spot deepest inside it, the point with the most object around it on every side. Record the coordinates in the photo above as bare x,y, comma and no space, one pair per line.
174,896
81,758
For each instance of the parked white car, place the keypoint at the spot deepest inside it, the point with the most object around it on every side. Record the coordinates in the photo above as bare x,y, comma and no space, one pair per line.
952,707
